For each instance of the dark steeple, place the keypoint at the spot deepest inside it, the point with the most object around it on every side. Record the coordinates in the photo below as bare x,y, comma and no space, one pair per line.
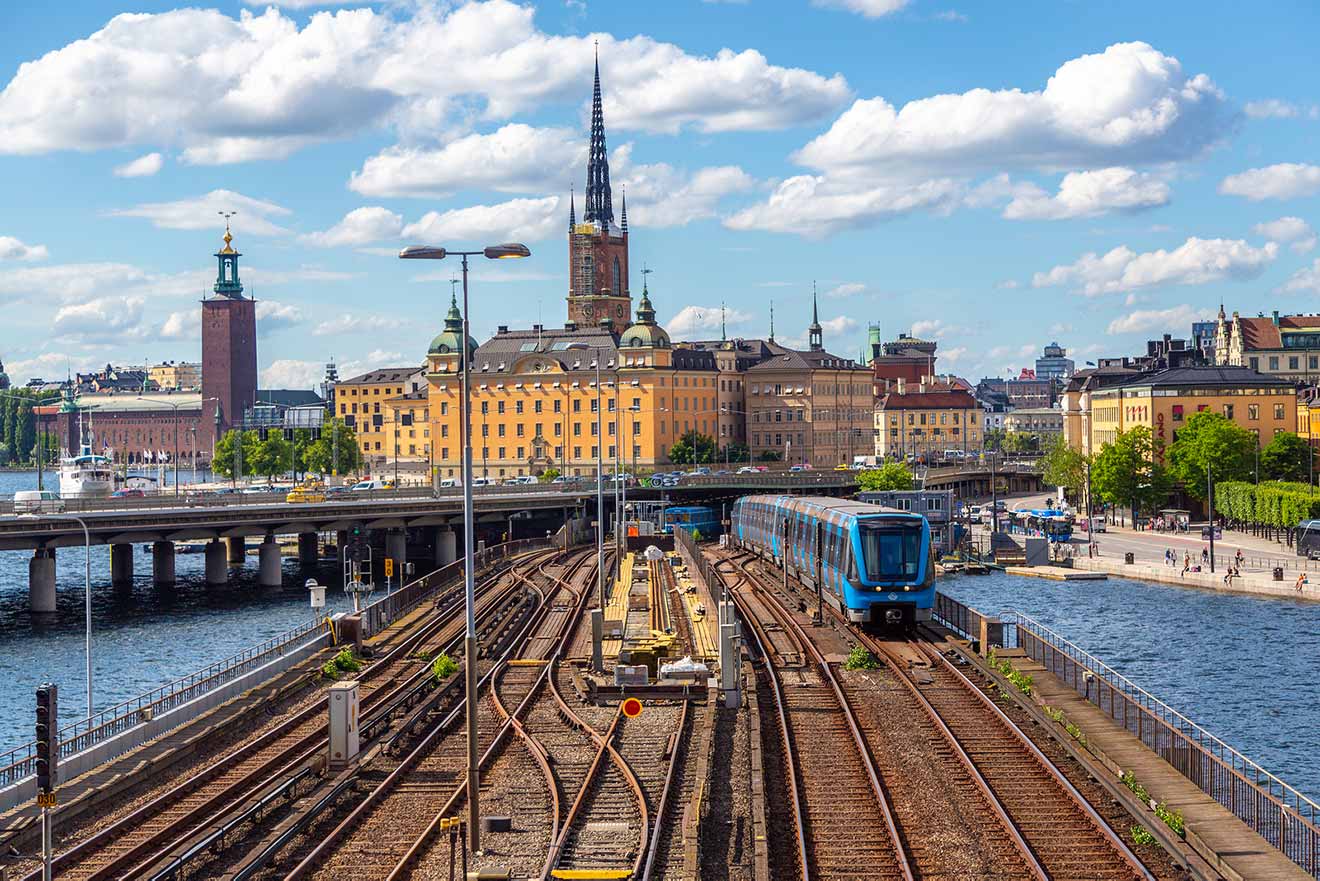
599,207
624,218
815,337
572,211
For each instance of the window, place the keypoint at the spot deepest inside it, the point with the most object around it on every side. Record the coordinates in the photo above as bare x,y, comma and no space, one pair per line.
499,406
501,453
1274,362
517,407
499,430
536,406
577,405
577,429
1278,411
485,407
1292,362
518,429
1253,411
1253,363
556,405
1228,411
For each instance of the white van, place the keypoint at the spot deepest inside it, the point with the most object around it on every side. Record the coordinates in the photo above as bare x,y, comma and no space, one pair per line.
483,481
1097,524
450,482
29,500
364,485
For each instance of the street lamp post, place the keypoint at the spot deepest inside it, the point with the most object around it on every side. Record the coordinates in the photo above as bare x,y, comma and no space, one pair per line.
600,495
175,408
494,252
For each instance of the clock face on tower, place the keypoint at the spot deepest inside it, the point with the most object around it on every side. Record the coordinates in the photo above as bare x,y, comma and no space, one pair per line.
618,311
588,309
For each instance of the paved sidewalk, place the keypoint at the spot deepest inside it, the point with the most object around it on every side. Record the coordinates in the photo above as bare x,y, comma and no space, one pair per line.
1255,583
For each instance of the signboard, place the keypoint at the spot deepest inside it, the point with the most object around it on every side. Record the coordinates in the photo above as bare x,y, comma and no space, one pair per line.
1219,533
632,708
389,567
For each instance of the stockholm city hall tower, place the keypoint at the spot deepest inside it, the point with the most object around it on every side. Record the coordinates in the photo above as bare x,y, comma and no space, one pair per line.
597,248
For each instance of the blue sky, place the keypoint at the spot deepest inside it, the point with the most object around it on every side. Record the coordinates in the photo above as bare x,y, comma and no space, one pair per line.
993,175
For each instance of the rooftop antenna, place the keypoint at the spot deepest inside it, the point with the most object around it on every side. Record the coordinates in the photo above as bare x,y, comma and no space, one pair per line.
772,321
723,337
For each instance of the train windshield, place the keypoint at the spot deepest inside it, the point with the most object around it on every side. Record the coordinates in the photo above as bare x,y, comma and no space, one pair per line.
891,551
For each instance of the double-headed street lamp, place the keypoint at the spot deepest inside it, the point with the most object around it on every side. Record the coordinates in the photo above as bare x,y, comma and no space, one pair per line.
494,252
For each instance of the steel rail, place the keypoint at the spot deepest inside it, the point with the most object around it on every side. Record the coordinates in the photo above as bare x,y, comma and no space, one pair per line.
845,705
662,807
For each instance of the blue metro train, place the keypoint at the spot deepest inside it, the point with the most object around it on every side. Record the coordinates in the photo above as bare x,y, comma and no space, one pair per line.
876,563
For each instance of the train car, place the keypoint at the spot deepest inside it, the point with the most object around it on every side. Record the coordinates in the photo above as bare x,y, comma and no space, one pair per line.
875,564
694,518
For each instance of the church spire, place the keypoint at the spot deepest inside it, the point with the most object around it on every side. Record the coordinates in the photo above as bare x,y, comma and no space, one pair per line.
815,336
772,321
599,207
723,336
572,210
624,216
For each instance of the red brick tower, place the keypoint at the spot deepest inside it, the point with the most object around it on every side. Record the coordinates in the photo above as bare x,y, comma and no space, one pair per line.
229,344
597,248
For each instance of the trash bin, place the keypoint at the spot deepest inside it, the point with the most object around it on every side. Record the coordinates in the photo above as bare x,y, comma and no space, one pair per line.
1128,558
1278,573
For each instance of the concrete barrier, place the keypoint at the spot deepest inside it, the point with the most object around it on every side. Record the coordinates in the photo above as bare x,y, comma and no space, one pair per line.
1255,584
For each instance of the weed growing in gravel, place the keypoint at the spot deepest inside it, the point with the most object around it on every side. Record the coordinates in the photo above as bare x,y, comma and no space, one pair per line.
1056,715
443,667
1141,836
1172,818
1021,680
860,659
1130,781
344,662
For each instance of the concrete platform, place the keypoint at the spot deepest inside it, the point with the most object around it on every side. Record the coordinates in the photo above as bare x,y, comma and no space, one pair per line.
1213,832
1254,584
1056,573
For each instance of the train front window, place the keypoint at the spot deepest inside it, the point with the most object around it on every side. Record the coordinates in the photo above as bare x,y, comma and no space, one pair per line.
891,552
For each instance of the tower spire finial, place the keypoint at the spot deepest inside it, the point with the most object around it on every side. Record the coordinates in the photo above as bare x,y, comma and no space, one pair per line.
723,336
623,218
572,209
815,336
599,207
772,321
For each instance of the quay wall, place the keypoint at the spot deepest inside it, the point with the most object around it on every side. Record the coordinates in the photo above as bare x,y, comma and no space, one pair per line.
1252,584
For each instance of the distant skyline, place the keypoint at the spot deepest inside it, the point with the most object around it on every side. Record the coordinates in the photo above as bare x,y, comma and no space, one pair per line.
992,176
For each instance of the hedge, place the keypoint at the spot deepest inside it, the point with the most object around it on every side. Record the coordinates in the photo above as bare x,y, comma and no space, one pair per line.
1278,504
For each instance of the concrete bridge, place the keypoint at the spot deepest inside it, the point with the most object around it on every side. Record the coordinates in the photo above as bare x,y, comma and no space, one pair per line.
974,481
417,517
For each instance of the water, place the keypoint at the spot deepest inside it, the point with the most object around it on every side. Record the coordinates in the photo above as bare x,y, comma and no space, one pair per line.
1242,667
141,638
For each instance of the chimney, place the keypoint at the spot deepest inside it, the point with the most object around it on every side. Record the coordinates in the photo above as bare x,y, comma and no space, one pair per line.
1276,317
536,328
503,328
921,388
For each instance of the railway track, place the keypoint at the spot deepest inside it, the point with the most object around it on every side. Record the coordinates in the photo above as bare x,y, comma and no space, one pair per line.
833,787
132,844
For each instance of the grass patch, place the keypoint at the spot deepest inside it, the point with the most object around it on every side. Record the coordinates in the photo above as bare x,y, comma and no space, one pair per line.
344,662
1021,680
1169,816
1076,733
443,667
1141,836
860,659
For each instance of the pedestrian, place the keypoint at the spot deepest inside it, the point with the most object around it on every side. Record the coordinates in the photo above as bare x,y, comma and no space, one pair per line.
1205,555
1301,582
1238,559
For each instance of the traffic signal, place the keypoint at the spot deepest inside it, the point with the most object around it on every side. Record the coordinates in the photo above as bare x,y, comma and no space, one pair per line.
48,732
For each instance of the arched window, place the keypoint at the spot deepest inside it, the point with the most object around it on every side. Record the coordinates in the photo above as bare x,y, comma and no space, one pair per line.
618,278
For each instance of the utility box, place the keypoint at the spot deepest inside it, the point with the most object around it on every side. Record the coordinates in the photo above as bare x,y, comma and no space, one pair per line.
630,675
343,701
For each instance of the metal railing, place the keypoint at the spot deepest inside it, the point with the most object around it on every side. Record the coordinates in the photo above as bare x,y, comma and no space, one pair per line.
20,762
962,620
1276,811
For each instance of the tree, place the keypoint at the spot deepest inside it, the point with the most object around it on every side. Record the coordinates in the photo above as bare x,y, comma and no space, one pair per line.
769,456
223,463
27,431
890,475
548,475
273,456
736,451
994,439
693,448
1125,472
1063,466
1209,440
321,455
302,440
1286,457
1020,442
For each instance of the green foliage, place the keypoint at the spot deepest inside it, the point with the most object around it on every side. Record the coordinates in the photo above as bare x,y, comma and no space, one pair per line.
696,535
693,448
890,475
225,448
736,451
1020,442
1129,780
274,456
860,659
320,456
1278,504
1021,680
1125,472
769,456
548,475
1063,466
1141,836
344,662
1075,732
1210,440
1056,715
1286,457
443,667
1172,818
994,439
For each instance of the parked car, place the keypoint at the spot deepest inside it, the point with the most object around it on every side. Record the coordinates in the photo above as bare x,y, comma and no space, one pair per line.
747,469
482,481
307,493
34,500
128,494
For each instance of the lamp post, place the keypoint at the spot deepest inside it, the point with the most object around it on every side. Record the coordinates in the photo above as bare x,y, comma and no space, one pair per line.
175,408
600,494
494,252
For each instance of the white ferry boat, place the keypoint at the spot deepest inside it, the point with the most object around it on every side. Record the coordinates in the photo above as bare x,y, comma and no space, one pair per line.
86,476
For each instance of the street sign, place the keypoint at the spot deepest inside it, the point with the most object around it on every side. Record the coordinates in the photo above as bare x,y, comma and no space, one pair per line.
389,567
632,708
46,799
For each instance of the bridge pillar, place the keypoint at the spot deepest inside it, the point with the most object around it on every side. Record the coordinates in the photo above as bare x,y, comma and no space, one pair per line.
268,563
121,564
237,549
396,546
217,570
162,562
41,581
446,546
341,543
308,550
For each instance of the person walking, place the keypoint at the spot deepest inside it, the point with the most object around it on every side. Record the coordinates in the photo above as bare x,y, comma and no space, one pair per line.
1301,582
1205,556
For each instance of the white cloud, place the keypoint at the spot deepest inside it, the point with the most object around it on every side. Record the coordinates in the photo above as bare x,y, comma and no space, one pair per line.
292,373
520,220
1175,319
1196,261
661,195
517,158
51,365
273,315
955,355
255,275
867,8
1292,230
817,206
936,328
1090,194
1286,180
1128,104
12,249
203,212
1306,279
299,4
348,323
696,321
360,226
101,320
143,166
840,325
845,290
183,325
224,89
1061,328
1273,108
70,282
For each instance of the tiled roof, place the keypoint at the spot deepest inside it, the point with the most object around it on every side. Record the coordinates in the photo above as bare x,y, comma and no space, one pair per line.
928,400
795,359
1263,333
1194,376
573,350
385,374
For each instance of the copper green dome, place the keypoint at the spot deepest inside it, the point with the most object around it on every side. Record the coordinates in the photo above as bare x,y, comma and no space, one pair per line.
645,333
450,341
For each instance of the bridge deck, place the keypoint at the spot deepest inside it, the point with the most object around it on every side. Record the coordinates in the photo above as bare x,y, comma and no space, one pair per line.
1213,831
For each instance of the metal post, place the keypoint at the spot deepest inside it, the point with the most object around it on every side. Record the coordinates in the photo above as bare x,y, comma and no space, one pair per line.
469,588
600,496
176,450
1210,512
1090,537
45,845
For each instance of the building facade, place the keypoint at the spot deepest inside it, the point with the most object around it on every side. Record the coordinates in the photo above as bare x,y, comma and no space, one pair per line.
176,375
1047,422
366,404
906,358
1054,363
923,421
1286,346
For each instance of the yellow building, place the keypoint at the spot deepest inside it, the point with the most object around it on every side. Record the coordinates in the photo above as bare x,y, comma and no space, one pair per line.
1163,401
364,403
407,427
534,397
920,419
178,375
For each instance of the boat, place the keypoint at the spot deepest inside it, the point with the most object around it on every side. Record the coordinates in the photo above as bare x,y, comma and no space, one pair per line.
86,476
